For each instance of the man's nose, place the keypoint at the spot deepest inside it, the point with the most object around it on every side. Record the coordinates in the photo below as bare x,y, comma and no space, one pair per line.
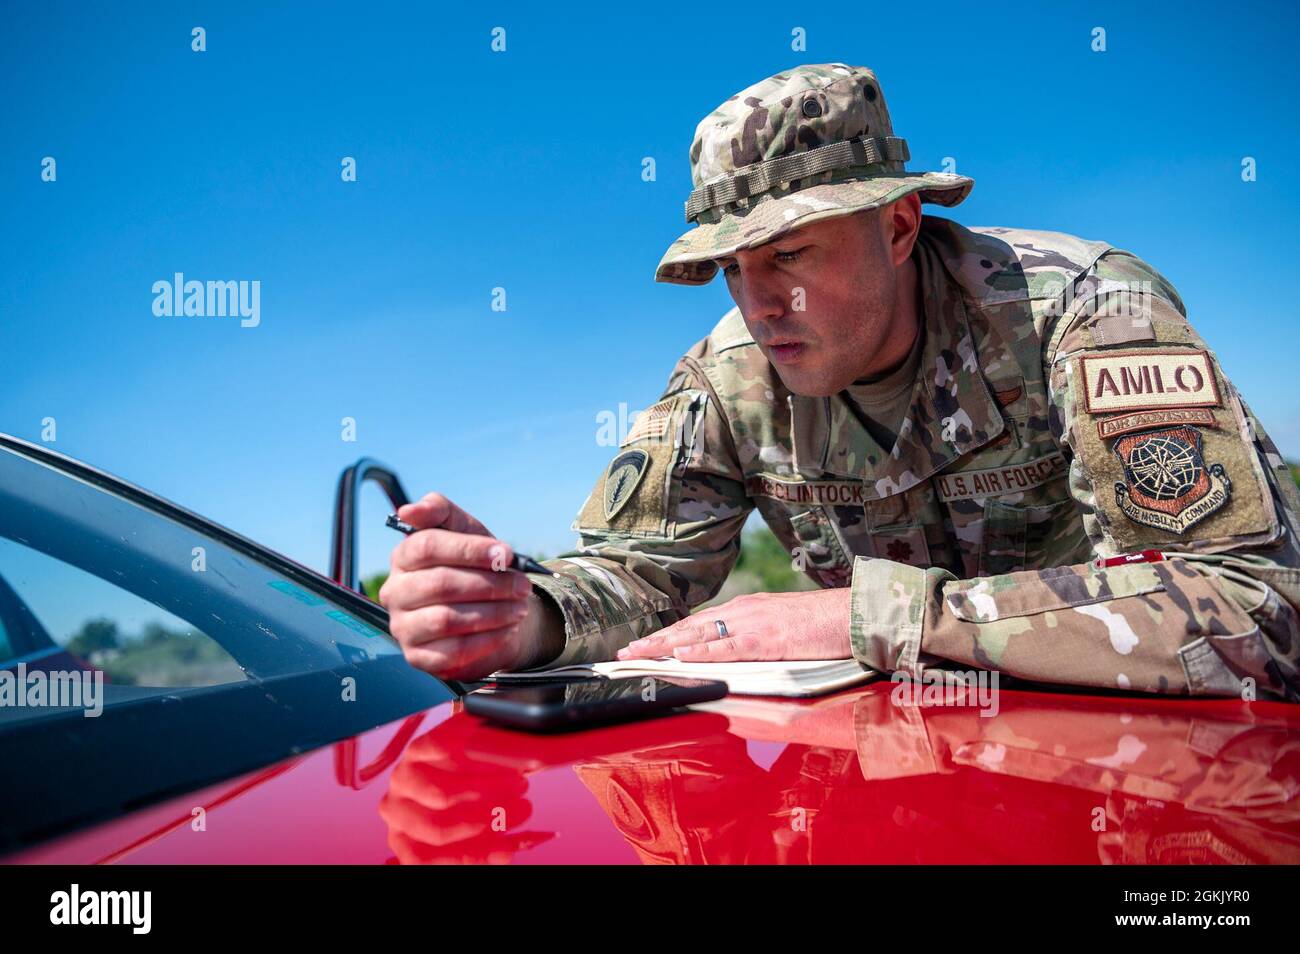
761,300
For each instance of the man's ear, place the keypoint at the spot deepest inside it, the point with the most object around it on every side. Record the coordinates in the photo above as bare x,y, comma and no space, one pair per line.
901,221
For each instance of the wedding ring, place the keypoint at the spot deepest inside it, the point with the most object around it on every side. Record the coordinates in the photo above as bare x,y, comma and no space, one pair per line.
722,628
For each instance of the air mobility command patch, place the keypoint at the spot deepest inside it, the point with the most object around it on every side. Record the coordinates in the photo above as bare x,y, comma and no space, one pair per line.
625,472
1162,442
1168,485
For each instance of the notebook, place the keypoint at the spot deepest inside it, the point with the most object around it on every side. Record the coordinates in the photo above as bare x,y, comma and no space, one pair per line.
800,677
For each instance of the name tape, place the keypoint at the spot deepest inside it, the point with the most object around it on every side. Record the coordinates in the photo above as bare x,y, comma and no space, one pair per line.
844,492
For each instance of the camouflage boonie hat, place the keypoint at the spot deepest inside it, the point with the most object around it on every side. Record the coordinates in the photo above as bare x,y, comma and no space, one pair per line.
808,144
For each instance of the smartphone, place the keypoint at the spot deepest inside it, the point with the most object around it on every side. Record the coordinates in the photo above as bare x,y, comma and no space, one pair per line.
555,706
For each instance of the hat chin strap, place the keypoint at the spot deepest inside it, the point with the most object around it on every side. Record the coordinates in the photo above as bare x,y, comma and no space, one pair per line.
758,177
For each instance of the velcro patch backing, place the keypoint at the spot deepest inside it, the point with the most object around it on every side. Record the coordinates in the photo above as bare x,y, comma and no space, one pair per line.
636,493
633,494
1147,379
1121,329
1176,480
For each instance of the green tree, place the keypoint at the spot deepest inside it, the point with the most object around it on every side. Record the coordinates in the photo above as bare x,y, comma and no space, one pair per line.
371,584
95,635
762,555
155,633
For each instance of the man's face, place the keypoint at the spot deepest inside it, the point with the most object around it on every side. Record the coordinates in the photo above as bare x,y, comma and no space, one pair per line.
819,301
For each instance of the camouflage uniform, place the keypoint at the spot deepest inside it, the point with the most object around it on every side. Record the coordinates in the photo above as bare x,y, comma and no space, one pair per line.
1066,411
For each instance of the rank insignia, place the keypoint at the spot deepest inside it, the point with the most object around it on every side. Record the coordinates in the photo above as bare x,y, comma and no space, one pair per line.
1169,486
624,474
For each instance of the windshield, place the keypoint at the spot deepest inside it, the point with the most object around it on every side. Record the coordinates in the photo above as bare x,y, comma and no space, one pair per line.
121,625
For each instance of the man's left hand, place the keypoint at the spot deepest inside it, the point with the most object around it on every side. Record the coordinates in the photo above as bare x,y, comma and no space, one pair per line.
760,626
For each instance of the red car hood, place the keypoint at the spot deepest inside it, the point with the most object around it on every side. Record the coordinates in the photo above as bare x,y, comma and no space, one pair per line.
847,778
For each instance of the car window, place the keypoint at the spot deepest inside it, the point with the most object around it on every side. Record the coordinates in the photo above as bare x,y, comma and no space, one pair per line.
102,626
92,581
206,655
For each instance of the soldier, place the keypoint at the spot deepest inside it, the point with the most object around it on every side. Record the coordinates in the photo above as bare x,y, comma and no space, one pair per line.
991,447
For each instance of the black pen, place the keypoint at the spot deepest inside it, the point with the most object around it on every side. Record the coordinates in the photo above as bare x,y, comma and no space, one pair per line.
520,562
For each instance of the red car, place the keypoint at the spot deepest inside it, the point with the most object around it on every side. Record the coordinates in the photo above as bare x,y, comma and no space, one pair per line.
252,710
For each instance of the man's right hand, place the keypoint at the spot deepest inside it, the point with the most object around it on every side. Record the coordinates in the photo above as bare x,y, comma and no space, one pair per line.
454,604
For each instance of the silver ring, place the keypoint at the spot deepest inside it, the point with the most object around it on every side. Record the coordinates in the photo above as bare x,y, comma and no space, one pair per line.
722,628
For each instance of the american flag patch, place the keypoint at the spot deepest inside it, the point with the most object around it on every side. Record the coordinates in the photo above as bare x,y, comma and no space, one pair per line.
652,423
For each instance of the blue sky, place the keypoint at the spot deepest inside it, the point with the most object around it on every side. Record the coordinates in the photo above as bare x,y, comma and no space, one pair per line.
522,170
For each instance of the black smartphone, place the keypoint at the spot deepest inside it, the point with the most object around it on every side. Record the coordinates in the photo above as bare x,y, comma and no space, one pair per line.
556,706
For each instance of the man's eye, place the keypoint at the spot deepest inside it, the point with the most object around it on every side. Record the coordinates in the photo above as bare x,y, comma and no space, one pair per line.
789,256
730,268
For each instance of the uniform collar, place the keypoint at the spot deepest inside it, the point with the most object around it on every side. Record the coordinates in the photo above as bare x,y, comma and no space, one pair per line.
952,412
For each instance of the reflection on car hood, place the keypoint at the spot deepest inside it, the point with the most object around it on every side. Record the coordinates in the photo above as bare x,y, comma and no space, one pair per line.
847,778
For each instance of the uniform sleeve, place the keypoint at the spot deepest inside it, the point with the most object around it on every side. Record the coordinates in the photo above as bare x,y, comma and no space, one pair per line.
1163,456
660,531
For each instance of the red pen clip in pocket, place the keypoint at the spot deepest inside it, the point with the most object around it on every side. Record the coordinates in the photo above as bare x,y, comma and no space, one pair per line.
1124,559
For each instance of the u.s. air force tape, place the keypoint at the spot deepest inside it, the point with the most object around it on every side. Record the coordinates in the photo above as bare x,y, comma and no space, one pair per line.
993,481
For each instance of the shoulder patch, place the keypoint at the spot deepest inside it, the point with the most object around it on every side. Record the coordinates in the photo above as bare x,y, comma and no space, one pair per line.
1168,484
1163,467
621,480
1117,424
1147,379
653,422
637,491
